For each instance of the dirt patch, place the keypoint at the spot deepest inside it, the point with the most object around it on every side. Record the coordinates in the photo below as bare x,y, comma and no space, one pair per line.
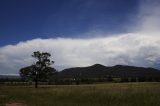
15,104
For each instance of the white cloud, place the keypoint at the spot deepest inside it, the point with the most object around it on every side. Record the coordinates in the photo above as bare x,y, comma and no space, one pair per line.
129,49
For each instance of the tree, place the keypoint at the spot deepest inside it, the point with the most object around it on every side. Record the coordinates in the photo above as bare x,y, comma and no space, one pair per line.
40,70
27,74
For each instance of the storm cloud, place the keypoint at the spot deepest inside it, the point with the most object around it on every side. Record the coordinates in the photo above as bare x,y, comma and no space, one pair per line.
127,49
140,47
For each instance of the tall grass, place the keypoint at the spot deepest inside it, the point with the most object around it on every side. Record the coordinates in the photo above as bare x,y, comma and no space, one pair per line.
111,94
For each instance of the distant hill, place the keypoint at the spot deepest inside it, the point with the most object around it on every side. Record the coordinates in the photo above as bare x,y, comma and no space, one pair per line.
98,71
101,71
9,76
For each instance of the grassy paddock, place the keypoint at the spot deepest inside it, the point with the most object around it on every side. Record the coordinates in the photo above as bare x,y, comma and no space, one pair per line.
110,94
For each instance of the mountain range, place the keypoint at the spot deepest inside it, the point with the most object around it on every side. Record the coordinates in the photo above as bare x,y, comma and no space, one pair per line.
99,71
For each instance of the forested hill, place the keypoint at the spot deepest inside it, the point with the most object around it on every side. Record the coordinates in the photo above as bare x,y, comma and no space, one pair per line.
99,71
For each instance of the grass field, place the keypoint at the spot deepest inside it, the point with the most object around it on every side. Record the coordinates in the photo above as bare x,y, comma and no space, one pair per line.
110,94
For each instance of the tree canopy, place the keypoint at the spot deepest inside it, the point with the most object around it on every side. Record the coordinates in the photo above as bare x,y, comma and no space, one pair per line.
28,73
40,70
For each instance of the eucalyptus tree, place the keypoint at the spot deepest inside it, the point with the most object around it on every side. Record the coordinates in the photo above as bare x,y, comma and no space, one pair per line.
40,70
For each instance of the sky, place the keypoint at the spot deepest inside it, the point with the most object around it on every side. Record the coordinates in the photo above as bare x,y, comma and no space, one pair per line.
79,32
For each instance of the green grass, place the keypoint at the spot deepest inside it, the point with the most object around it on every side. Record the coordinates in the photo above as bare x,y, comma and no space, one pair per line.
111,94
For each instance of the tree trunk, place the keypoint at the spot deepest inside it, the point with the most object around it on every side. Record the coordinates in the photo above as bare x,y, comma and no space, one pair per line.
36,81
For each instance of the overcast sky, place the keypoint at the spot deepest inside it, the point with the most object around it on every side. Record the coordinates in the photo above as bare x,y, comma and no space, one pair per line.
79,32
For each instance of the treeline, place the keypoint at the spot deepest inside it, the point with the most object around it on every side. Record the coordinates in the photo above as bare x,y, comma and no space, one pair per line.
77,81
105,80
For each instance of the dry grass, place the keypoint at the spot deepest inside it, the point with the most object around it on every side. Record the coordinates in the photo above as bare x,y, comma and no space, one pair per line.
110,94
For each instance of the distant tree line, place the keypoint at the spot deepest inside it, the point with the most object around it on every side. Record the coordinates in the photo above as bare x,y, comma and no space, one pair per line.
70,81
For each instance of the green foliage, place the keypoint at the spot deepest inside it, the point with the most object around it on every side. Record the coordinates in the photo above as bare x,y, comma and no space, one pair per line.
43,60
39,71
28,74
